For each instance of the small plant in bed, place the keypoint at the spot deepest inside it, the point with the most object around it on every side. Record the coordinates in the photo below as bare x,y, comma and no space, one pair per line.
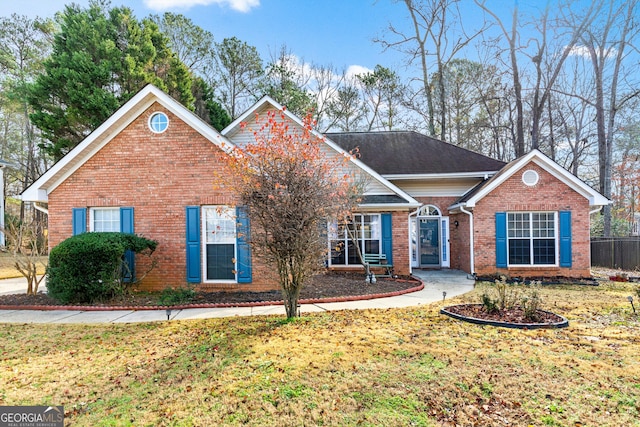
505,304
503,297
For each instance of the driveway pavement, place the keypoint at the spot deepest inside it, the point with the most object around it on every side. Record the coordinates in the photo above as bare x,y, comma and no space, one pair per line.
453,282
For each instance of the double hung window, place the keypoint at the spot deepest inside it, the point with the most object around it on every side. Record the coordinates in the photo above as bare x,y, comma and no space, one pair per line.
532,238
220,242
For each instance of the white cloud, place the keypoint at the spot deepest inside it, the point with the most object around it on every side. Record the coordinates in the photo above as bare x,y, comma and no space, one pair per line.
354,70
583,51
239,5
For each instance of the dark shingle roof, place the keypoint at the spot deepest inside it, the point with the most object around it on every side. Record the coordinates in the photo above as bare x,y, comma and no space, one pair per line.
405,152
380,199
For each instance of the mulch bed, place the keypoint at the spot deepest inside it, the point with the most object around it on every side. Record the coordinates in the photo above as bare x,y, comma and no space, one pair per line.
514,316
323,286
543,280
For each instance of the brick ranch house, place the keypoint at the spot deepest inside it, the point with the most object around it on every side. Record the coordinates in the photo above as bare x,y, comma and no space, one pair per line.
149,169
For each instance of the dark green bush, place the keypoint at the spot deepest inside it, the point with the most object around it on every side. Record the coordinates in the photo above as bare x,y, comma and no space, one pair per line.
90,267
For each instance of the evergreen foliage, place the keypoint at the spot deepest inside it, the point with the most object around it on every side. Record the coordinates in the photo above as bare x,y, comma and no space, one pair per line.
90,267
101,57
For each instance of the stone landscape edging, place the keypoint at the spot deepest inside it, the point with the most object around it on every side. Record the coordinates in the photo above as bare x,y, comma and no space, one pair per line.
554,325
419,287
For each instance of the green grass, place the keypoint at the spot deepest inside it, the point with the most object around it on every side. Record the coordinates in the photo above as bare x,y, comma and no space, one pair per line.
351,368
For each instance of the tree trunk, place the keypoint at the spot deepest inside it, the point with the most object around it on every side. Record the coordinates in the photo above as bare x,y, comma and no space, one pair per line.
291,297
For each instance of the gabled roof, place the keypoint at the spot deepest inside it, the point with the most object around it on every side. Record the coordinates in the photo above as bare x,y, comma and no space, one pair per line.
473,196
401,197
39,190
397,153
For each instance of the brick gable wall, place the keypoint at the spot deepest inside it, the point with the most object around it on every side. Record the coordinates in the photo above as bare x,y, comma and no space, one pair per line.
549,194
159,175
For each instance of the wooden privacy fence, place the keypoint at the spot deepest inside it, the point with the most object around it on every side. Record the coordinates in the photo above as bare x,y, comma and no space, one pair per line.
616,252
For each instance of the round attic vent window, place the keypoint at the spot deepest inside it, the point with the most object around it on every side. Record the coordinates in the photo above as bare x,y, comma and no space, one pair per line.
530,178
158,122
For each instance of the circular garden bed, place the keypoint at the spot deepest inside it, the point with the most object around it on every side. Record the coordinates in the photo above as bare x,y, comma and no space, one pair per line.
512,318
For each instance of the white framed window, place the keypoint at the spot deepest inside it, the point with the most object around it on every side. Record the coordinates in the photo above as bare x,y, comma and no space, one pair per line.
158,122
532,238
530,177
219,249
366,228
104,219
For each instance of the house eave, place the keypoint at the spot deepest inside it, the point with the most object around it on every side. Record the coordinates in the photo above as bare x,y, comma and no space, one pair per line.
538,158
440,176
388,206
236,125
96,140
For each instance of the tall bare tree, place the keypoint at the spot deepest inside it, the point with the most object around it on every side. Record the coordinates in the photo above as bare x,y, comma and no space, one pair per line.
24,44
382,91
434,24
609,44
238,71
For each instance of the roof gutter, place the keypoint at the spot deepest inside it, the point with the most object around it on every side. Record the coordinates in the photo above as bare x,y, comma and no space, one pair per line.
40,208
471,256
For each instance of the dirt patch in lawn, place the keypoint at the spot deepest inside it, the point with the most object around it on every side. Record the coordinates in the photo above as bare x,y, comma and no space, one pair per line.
323,286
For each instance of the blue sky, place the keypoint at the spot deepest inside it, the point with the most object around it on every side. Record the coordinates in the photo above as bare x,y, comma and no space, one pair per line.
325,32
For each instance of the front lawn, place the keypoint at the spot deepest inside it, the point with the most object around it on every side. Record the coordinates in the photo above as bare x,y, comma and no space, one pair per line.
377,367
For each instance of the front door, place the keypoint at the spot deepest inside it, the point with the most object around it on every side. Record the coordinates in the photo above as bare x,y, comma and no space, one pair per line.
429,242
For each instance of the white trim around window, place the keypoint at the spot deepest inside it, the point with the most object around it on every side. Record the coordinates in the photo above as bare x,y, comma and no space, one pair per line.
158,122
368,229
219,248
533,239
104,219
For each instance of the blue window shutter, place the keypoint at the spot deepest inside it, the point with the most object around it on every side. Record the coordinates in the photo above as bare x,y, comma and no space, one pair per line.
243,263
501,239
565,238
194,274
126,226
79,220
387,237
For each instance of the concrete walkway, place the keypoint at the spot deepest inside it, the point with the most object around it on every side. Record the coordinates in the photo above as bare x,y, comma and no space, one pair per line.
453,282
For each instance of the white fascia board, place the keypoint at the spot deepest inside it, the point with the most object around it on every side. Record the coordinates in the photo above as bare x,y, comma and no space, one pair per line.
268,100
537,157
437,176
388,206
102,135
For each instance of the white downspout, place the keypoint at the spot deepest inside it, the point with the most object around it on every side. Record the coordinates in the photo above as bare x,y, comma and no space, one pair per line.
595,210
472,260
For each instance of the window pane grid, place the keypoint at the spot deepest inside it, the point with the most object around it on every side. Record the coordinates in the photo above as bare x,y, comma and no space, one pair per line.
531,238
106,220
220,237
367,232
220,225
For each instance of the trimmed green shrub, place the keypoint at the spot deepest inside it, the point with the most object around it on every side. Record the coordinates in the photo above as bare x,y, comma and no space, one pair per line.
90,267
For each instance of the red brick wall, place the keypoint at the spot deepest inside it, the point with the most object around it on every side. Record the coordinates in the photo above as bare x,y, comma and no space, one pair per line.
157,174
549,194
401,255
460,242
